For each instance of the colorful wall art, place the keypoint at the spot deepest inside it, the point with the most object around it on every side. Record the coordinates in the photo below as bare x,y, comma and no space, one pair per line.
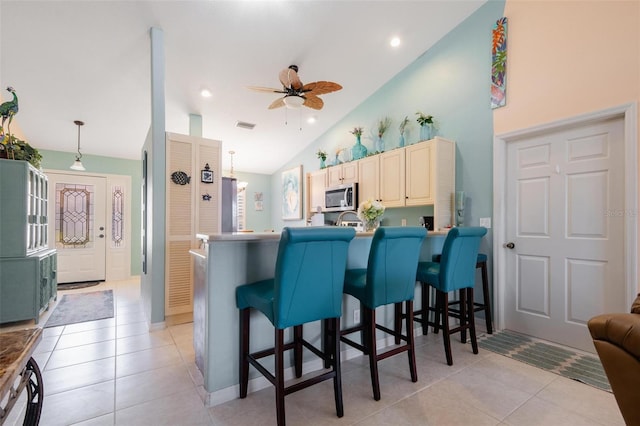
291,193
499,64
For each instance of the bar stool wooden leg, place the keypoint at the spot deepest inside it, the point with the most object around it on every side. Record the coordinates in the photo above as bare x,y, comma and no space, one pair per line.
244,351
486,296
444,306
279,379
373,362
463,314
410,342
335,354
472,321
297,350
397,321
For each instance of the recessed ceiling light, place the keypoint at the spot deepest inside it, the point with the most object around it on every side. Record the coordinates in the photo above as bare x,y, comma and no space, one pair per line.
311,120
395,42
205,93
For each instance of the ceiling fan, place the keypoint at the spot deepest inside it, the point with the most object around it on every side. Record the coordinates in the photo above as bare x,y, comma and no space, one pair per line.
297,94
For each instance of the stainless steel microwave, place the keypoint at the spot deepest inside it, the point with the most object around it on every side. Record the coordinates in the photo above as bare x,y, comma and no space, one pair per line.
341,198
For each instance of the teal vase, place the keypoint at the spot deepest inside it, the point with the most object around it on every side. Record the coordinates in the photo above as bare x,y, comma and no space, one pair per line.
401,143
425,132
358,151
322,163
380,144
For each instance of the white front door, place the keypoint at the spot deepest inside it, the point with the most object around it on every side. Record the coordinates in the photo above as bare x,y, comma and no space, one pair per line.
77,205
565,213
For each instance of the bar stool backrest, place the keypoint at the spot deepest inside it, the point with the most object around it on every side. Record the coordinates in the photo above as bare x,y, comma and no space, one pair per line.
459,257
309,274
393,260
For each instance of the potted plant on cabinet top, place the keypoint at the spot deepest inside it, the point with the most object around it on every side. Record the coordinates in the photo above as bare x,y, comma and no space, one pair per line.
426,125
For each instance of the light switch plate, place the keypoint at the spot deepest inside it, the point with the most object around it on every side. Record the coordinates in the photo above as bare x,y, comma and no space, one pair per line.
486,222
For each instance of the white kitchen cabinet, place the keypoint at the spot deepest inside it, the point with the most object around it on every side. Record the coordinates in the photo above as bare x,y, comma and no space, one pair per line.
392,178
342,173
369,179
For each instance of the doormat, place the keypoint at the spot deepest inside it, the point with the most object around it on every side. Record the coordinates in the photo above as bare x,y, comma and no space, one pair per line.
75,286
560,360
81,307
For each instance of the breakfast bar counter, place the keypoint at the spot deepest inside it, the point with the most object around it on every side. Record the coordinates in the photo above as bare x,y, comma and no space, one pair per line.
226,261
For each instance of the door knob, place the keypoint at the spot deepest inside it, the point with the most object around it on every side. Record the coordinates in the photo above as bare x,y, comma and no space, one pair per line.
509,245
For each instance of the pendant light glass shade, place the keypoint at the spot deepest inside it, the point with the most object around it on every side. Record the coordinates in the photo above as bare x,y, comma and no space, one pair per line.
77,165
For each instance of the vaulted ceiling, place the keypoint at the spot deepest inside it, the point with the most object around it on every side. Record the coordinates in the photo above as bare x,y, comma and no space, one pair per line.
90,61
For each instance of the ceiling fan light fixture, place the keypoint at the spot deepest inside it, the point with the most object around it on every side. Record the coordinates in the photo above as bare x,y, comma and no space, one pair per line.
293,101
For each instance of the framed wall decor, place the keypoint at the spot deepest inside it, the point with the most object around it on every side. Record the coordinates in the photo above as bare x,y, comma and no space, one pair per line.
292,193
206,174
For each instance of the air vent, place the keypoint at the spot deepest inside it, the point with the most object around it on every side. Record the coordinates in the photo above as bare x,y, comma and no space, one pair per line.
245,125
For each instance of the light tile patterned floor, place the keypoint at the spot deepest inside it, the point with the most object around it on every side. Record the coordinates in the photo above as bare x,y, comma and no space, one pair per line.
116,372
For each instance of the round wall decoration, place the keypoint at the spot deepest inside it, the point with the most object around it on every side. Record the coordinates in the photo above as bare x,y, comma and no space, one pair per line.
180,178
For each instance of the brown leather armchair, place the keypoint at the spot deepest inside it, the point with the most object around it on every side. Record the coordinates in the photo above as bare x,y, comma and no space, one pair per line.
617,340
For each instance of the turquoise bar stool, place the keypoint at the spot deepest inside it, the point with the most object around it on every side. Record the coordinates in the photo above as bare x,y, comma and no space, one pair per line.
481,263
307,287
389,278
455,271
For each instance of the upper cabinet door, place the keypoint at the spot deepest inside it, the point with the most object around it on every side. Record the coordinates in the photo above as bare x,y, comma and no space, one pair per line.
419,189
392,184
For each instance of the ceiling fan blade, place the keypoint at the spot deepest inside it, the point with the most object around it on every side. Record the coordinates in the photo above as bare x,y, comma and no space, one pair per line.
265,89
320,87
289,78
277,103
313,101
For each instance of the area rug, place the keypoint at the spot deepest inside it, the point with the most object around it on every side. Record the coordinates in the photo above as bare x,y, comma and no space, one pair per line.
81,307
560,360
75,286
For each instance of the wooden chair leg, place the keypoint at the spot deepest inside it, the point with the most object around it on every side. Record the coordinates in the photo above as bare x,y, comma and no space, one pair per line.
472,321
438,313
397,321
279,374
335,354
463,314
327,340
371,345
244,351
297,350
486,298
425,307
445,326
411,342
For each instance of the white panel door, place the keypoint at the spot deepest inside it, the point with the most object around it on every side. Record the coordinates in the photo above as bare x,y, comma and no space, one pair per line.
77,205
565,217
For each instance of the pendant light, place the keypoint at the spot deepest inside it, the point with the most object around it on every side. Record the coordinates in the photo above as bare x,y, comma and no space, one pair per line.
241,186
77,165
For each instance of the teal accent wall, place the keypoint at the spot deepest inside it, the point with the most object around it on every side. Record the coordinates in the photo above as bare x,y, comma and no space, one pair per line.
58,160
450,81
257,220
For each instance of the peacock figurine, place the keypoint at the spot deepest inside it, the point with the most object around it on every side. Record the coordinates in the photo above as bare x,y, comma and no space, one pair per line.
7,111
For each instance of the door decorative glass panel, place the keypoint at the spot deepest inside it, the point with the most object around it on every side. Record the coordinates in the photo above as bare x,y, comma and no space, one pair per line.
74,216
117,216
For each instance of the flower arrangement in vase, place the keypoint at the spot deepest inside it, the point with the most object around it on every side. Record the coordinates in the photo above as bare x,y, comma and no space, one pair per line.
383,126
358,151
426,125
322,155
402,128
370,212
